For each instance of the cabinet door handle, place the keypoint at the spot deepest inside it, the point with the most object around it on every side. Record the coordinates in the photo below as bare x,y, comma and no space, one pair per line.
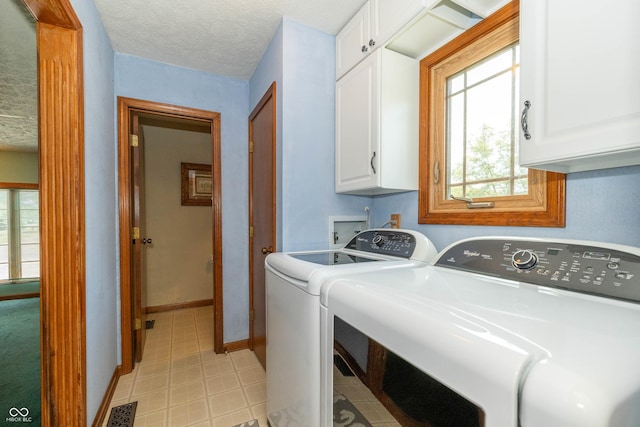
523,120
373,168
364,49
372,43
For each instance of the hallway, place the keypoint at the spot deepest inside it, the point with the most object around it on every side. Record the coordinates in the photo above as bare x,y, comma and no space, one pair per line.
182,382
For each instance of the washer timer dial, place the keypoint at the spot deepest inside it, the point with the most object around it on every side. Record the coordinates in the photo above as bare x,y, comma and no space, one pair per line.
524,259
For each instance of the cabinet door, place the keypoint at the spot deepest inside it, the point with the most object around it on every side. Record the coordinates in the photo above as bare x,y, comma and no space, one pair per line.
357,134
352,41
579,70
388,16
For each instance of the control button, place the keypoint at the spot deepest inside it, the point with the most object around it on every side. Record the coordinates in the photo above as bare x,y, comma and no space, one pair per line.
613,265
621,275
524,259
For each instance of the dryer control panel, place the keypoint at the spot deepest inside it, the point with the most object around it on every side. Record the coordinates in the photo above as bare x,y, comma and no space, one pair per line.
600,269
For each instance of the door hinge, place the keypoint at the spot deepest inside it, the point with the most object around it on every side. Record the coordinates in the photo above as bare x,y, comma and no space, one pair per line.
250,146
136,232
138,323
252,315
134,140
251,231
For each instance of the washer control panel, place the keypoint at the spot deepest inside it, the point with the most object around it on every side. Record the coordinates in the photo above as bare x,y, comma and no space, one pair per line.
384,242
607,270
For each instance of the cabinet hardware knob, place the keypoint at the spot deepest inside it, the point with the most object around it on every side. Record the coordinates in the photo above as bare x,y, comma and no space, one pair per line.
372,43
364,49
523,120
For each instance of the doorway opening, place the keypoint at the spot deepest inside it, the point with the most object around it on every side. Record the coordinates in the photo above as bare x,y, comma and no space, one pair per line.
130,112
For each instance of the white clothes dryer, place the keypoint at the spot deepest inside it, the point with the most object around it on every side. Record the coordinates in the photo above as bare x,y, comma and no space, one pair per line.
497,332
293,283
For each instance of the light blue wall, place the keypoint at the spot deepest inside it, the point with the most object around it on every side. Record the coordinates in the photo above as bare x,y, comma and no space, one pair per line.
102,300
154,81
600,206
305,63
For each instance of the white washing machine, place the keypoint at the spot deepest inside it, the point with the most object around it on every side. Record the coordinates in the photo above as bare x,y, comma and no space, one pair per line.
293,283
497,332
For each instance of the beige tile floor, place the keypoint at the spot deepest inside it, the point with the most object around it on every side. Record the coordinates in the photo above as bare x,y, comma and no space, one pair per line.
182,382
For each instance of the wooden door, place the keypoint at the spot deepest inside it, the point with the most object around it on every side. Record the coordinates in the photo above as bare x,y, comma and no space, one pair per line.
139,239
262,214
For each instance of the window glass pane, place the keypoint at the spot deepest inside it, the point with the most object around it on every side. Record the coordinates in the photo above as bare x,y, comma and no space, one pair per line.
489,129
4,236
31,270
456,130
29,234
491,66
456,83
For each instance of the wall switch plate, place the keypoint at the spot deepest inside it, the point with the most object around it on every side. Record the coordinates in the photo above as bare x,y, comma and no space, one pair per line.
395,220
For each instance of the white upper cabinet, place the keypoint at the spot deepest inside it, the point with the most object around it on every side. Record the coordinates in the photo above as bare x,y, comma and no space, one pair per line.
580,68
370,28
352,43
377,126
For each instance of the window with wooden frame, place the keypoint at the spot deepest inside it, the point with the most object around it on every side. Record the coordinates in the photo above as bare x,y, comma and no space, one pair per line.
19,233
469,171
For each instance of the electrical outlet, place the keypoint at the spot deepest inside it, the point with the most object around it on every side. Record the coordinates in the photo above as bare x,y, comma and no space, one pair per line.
395,220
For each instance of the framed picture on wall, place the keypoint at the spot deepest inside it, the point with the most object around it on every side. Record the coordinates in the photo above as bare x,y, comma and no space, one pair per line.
196,184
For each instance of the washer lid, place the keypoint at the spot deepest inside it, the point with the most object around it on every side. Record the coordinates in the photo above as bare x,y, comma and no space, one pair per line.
332,258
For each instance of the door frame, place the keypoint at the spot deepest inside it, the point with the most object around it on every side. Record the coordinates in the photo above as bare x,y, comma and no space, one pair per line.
270,94
125,107
62,218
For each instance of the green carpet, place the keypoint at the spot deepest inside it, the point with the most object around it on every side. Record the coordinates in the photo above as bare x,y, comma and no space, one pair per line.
20,362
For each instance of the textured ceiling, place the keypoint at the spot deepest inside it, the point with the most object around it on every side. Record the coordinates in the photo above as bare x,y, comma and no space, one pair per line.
225,37
18,79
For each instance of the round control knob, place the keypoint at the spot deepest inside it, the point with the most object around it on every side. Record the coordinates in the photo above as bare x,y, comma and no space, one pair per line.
524,260
378,240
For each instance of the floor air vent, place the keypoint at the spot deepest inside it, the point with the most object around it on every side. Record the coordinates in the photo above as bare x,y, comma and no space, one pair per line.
122,415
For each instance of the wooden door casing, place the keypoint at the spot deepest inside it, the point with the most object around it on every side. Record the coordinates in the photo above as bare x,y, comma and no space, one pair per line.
262,213
125,107
62,207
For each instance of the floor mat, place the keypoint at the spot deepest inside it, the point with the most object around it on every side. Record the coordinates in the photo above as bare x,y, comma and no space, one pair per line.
345,414
123,415
252,423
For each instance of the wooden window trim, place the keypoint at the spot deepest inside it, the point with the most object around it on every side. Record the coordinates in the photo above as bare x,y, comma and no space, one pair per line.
544,206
